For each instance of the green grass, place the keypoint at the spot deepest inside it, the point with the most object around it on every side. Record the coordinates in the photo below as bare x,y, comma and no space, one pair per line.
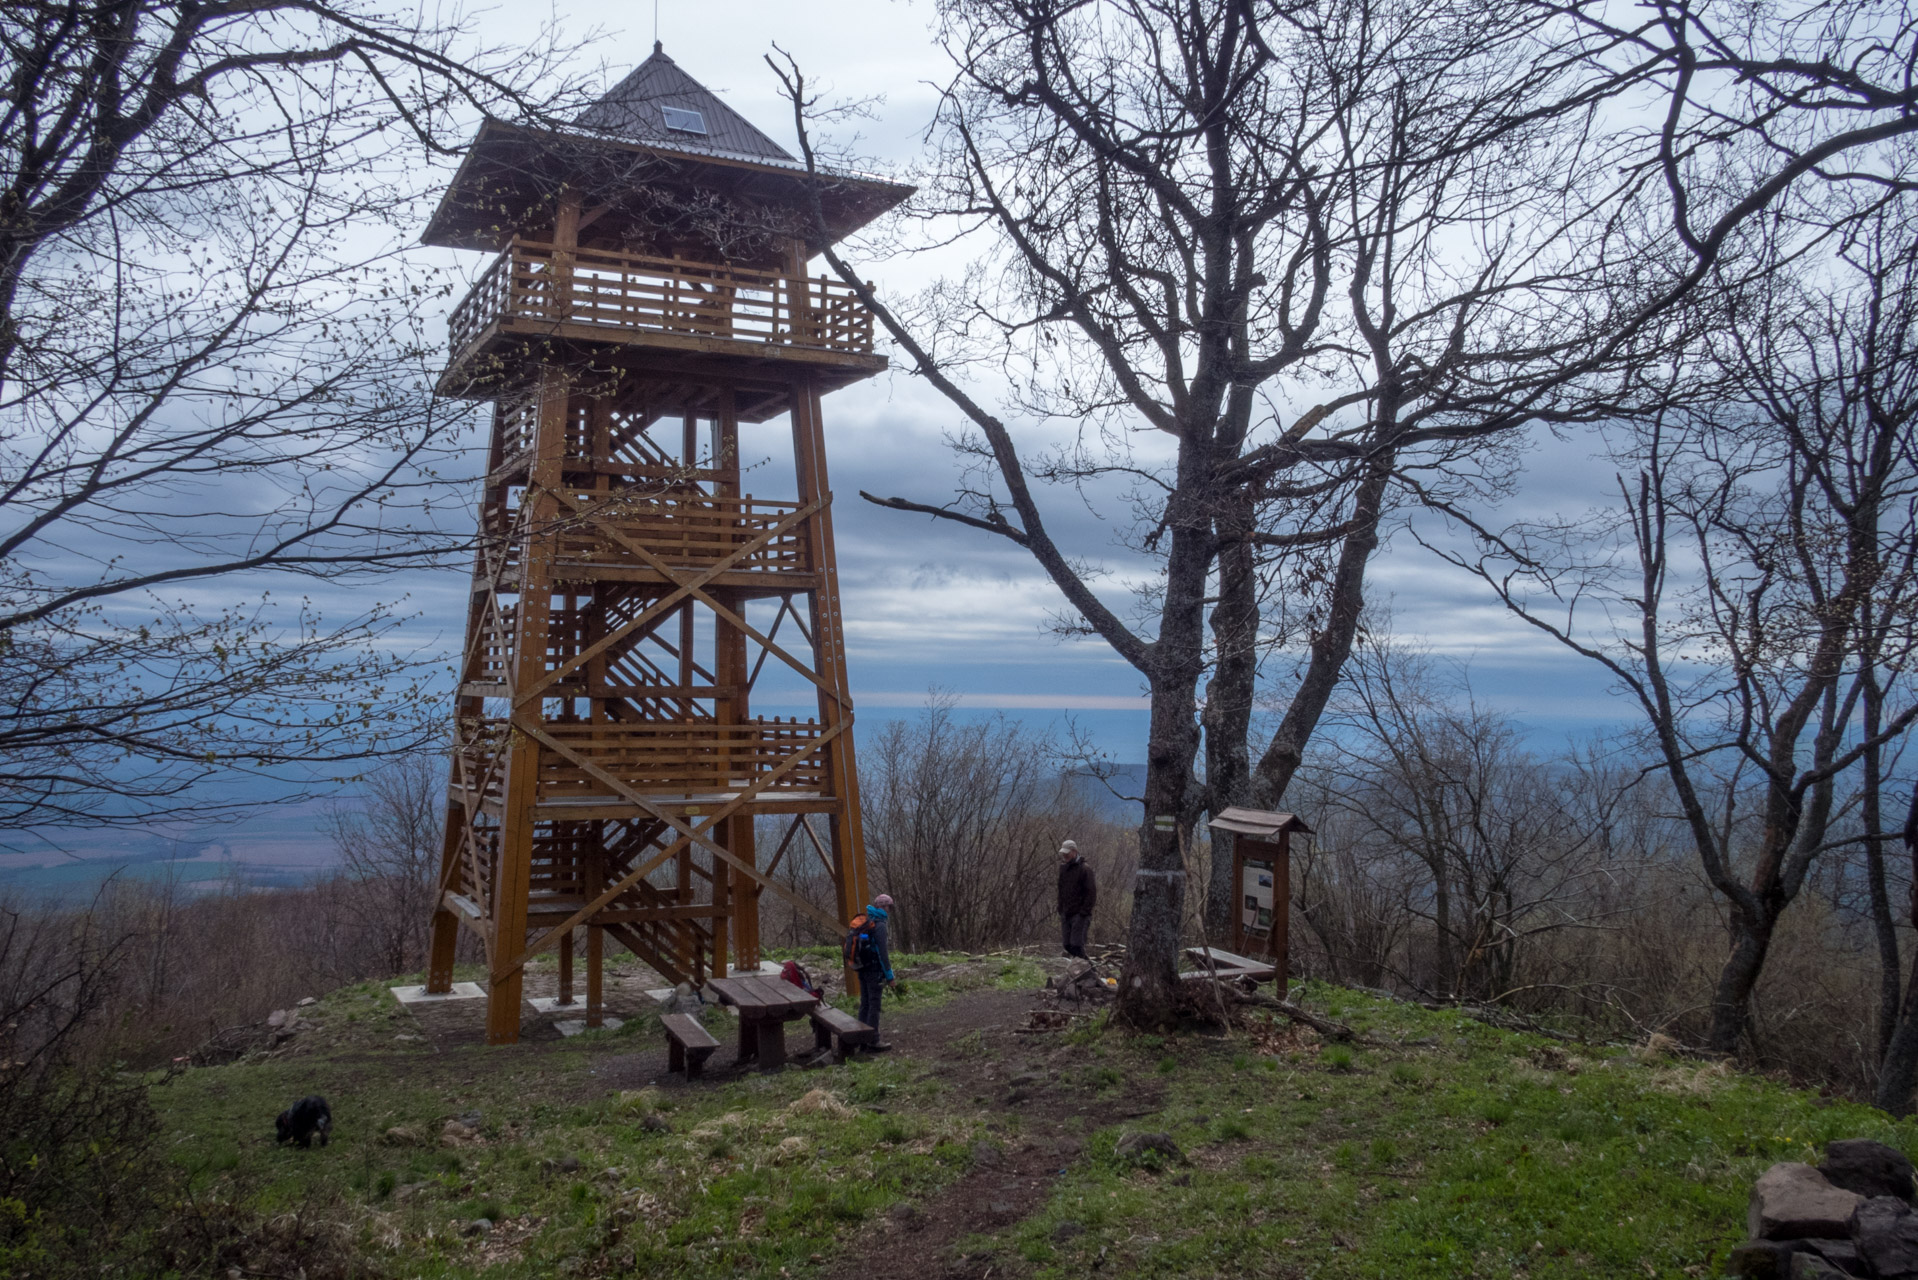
741,1184
1435,1148
1455,1157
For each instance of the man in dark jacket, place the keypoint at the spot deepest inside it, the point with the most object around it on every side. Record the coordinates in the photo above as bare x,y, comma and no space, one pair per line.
1077,895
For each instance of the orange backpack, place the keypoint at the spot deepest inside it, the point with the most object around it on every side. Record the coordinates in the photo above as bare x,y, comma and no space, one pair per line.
859,950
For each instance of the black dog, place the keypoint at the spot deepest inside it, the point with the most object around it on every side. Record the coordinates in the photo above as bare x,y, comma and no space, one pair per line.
299,1122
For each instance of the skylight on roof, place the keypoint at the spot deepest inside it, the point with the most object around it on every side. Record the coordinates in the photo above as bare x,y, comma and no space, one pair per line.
680,120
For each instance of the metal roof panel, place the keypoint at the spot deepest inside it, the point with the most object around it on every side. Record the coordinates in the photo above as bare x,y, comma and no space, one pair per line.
633,110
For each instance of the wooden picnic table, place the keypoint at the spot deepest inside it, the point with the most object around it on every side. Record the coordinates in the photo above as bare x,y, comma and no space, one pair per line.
765,1006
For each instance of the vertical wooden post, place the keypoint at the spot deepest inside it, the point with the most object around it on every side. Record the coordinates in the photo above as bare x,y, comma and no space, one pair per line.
1239,943
565,241
443,937
595,973
513,879
829,655
799,294
1281,936
566,967
738,892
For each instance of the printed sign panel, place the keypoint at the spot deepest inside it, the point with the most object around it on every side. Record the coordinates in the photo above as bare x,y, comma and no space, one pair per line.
1258,895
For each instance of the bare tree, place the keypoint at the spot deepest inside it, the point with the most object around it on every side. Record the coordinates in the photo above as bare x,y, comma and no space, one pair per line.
1760,550
215,379
962,820
1510,845
1270,260
389,841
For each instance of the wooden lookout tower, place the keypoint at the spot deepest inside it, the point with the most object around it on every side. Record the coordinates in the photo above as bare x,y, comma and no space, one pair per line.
653,569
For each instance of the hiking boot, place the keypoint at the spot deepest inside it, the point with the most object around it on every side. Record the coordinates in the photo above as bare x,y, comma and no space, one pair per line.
880,1046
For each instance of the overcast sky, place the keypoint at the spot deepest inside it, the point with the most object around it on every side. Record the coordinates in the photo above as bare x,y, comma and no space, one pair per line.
931,604
934,604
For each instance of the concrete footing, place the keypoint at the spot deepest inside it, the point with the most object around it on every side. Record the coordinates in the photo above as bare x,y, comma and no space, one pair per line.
573,1026
420,995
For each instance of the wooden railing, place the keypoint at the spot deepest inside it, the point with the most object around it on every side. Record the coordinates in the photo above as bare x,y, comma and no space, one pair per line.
665,759
684,531
689,532
661,295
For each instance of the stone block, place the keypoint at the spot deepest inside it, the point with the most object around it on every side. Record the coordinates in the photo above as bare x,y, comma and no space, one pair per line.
1869,1168
1794,1200
1761,1260
1886,1233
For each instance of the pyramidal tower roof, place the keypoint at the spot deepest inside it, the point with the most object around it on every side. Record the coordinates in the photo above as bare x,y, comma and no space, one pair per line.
661,106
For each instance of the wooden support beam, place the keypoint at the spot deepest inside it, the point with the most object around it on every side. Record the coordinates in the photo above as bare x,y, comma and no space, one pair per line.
848,864
514,875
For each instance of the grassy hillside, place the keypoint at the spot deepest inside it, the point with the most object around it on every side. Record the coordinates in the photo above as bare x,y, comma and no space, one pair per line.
1437,1147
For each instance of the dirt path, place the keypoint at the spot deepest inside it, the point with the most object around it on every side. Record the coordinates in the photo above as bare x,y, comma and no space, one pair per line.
971,1045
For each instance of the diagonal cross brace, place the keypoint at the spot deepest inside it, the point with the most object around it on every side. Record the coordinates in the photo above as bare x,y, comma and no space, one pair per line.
687,833
682,589
693,588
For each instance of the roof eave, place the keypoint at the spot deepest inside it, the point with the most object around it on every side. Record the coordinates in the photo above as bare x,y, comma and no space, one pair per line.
441,229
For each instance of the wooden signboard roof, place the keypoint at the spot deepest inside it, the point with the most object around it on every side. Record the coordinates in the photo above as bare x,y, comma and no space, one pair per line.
1261,824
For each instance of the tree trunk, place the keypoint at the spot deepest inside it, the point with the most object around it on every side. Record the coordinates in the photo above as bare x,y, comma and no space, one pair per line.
1898,1072
1331,646
1731,1002
1149,985
1228,701
1148,988
1899,1069
1884,927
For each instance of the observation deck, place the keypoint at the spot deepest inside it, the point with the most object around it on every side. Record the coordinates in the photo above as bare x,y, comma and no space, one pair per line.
674,307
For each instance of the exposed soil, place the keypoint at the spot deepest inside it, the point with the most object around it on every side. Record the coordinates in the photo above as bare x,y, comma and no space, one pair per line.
974,1046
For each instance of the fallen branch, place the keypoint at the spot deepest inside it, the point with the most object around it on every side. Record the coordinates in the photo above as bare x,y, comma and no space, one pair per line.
1324,1026
1505,1020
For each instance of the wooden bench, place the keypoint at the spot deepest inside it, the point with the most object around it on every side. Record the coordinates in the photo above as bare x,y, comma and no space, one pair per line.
1229,965
688,1044
1226,975
838,1031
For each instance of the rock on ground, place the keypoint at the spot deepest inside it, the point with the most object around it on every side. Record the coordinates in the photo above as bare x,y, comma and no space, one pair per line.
1886,1233
1869,1168
1761,1260
1794,1200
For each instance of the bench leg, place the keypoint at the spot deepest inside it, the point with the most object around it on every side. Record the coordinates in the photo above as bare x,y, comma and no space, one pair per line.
748,1039
675,1055
696,1063
772,1044
821,1037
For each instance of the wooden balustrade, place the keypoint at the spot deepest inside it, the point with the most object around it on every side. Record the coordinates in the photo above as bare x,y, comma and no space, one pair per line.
683,758
667,759
633,292
682,531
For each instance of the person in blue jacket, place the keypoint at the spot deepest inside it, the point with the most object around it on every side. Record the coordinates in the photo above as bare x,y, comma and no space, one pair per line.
875,968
